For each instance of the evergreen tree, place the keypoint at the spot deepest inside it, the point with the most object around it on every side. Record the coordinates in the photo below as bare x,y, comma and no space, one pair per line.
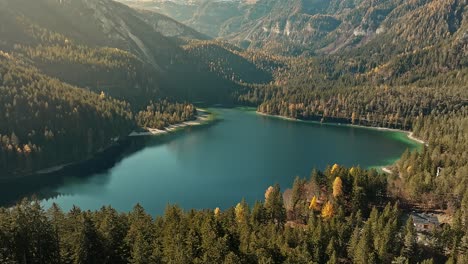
139,236
275,207
409,248
298,198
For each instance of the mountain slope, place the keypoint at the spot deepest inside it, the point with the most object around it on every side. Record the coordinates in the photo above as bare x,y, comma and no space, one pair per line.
107,46
74,75
46,122
320,26
170,27
96,23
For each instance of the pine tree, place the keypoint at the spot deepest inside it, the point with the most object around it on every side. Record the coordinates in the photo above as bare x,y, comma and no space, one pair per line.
174,233
409,240
333,258
400,260
429,261
354,240
259,214
139,236
363,251
232,258
275,207
112,230
298,198
86,244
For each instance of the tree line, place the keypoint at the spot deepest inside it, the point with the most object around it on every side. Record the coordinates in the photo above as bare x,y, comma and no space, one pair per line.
436,176
163,113
334,217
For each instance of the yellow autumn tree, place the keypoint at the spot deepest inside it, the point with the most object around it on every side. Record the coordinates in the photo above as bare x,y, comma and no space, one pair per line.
352,170
409,169
313,204
327,210
268,192
241,212
27,149
334,168
217,211
337,187
353,117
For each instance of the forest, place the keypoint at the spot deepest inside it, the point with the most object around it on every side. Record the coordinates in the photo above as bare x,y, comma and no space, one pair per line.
162,114
46,122
337,216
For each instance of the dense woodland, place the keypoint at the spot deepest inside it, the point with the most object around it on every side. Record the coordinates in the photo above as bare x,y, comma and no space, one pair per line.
162,114
45,122
433,107
437,176
42,119
335,217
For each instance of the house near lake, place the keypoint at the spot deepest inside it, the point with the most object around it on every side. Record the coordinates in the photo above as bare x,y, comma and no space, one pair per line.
425,222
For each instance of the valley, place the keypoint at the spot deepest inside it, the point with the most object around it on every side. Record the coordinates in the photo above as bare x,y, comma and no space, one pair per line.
78,76
197,158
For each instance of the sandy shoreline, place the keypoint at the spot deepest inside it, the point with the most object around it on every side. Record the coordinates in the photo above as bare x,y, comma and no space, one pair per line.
385,169
279,116
203,117
53,169
409,134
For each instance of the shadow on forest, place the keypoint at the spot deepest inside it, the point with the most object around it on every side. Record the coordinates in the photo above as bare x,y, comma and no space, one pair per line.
43,186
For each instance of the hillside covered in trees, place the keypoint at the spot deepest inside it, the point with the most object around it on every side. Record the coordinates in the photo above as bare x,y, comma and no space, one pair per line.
103,45
42,119
46,122
335,217
71,85
296,27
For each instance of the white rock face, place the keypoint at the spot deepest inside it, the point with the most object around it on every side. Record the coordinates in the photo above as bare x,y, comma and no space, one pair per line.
111,23
5,55
276,29
287,28
359,32
170,29
380,30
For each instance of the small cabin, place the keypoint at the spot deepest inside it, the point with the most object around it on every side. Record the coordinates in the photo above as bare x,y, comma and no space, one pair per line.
425,222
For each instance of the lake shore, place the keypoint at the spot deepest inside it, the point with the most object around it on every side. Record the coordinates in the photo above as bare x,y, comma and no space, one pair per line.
387,168
202,117
53,169
409,134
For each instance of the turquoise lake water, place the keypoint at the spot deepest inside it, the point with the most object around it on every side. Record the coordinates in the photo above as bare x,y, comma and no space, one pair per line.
217,165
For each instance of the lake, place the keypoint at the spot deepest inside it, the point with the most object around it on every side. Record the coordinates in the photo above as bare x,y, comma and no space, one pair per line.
214,166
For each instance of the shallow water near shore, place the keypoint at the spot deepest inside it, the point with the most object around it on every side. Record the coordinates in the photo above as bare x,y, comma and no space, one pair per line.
216,166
